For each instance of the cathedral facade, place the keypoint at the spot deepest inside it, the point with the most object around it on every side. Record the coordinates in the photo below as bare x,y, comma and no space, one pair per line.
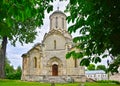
46,61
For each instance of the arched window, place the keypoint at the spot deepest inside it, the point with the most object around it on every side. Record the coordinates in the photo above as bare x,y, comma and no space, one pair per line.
35,62
56,22
54,44
75,62
62,23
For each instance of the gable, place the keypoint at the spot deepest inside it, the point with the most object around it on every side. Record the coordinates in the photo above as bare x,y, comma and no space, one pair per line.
54,41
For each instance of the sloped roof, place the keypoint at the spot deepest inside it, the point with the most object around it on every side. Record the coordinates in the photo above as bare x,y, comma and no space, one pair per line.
94,72
51,32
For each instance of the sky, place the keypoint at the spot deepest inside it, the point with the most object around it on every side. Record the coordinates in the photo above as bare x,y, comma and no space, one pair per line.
14,53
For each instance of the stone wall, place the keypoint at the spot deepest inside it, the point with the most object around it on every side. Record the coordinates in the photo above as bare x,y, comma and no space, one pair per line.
115,77
49,42
60,22
38,62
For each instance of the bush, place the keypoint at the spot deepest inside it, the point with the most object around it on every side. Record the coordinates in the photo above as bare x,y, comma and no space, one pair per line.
10,72
109,81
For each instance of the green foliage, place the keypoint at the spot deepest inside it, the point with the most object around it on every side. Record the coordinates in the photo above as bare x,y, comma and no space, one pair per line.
85,61
10,72
19,19
101,67
74,54
15,75
109,81
115,65
8,68
18,22
96,59
91,67
18,73
68,55
98,24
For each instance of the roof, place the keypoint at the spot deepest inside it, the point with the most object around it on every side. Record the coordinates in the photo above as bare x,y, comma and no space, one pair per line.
51,32
94,72
57,11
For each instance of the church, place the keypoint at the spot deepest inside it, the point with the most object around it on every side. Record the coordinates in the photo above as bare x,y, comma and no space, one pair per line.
46,61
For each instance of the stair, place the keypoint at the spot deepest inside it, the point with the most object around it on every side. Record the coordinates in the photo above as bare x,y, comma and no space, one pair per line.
55,79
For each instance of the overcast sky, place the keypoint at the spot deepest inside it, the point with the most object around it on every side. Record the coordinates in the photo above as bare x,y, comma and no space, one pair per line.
14,53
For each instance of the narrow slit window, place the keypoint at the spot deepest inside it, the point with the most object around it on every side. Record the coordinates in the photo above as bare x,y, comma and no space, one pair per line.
75,62
56,22
62,23
54,44
35,62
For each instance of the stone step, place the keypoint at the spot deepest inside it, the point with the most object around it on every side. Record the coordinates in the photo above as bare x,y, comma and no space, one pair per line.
56,79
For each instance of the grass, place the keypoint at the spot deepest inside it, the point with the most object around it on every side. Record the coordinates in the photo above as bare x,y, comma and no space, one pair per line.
24,83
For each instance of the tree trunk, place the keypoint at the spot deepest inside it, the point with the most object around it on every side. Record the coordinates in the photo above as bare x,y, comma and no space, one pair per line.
2,57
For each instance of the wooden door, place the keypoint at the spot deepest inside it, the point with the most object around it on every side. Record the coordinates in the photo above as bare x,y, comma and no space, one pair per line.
55,70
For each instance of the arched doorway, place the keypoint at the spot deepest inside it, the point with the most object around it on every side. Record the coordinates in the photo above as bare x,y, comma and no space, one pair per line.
54,70
55,65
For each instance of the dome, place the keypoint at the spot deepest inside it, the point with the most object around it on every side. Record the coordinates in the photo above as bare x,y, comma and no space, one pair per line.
57,12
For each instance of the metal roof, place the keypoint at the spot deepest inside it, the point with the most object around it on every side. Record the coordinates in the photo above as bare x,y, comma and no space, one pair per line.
95,72
57,11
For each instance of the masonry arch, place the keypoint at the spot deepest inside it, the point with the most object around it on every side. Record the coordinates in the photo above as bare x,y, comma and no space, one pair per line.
55,66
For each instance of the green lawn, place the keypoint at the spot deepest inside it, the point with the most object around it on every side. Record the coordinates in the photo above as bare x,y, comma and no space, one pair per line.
23,83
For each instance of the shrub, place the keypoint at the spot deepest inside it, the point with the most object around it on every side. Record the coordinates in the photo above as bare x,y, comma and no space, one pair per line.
109,81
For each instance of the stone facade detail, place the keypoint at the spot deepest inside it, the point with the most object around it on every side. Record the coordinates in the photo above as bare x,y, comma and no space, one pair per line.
47,61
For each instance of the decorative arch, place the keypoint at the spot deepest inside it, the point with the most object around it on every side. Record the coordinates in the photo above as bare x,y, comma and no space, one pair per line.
54,60
55,65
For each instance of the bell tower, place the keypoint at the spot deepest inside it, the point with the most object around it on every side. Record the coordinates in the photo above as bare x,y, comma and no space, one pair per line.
58,20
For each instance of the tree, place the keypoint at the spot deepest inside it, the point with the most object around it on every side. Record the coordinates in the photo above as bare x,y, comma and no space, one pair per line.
101,67
18,22
98,24
115,65
18,73
9,70
91,67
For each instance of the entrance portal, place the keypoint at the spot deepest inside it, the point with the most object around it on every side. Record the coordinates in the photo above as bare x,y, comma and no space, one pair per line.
55,70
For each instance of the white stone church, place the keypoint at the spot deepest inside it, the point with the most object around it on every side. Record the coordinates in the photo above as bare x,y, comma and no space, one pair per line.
46,61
